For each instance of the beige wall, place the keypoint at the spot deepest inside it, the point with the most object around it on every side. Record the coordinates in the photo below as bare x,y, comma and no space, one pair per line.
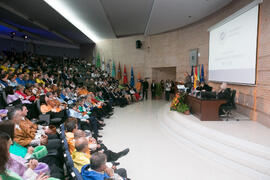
172,49
124,51
165,73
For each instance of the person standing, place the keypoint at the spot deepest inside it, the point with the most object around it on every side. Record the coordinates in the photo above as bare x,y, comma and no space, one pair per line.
162,88
168,87
153,89
145,88
188,83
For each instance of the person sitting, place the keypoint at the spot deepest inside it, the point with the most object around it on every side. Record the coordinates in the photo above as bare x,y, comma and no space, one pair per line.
27,133
52,106
224,93
25,130
80,156
20,93
204,87
3,80
98,170
99,147
3,114
85,122
48,104
71,128
20,80
9,127
12,80
11,168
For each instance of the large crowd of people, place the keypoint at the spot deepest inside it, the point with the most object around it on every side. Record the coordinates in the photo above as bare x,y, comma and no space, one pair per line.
38,94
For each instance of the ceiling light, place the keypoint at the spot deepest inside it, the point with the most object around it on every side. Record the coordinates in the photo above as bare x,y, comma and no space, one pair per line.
63,8
25,37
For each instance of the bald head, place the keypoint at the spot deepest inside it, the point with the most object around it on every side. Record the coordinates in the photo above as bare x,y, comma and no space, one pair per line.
81,144
79,134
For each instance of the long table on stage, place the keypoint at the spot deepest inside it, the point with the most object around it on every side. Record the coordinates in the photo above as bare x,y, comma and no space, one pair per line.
204,109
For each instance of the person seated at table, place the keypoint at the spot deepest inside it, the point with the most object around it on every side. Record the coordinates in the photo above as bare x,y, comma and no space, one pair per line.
224,93
203,86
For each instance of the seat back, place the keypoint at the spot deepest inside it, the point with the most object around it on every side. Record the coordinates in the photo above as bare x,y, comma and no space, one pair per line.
233,98
45,118
38,106
65,144
4,96
76,174
63,135
62,127
69,161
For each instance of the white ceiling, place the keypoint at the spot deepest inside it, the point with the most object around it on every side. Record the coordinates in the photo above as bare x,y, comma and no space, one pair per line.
128,17
172,14
113,18
118,18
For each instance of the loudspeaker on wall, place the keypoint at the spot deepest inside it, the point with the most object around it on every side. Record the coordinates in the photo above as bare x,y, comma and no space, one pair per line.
138,44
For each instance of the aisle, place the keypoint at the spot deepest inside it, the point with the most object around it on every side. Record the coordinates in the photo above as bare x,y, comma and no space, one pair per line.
153,156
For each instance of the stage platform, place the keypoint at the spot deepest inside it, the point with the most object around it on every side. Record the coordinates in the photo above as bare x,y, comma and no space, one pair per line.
167,144
243,144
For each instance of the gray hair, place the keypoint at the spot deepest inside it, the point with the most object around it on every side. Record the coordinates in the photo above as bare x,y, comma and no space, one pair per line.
14,111
81,144
97,160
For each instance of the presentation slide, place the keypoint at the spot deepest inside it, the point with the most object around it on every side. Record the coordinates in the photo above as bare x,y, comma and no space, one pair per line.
233,49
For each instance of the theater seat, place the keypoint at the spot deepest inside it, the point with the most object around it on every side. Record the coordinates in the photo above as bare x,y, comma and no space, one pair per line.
76,174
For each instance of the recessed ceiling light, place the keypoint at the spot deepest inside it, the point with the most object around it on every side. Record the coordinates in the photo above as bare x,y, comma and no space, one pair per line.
63,8
189,16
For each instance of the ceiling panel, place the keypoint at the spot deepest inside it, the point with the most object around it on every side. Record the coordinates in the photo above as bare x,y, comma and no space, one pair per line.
91,13
109,18
128,17
172,14
17,22
39,11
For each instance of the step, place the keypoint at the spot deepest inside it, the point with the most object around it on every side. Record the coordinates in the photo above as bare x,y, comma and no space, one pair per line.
219,145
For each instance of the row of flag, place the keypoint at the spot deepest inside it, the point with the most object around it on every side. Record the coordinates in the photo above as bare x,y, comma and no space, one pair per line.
197,72
197,76
101,65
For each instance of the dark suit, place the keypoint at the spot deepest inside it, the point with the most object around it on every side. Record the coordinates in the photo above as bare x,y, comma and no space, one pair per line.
145,89
153,90
224,94
205,87
188,83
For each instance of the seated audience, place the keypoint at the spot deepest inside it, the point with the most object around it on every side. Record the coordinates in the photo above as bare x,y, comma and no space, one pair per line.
98,170
80,156
30,80
11,168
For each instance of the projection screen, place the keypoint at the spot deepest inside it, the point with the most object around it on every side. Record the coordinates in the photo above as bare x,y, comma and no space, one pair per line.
233,48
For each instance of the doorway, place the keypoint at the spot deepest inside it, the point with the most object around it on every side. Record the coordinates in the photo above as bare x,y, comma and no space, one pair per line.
164,73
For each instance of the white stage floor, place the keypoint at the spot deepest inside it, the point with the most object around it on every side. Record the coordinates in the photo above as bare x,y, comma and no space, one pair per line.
158,150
